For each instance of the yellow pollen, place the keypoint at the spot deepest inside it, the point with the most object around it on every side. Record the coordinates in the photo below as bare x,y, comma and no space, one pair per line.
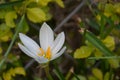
42,52
48,53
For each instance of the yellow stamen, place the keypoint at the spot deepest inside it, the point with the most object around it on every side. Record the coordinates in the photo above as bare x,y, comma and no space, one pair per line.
42,52
48,53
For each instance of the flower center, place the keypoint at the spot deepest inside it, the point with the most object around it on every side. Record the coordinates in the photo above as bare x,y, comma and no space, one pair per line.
46,54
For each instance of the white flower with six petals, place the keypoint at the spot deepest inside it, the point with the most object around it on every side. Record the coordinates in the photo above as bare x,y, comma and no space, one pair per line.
50,49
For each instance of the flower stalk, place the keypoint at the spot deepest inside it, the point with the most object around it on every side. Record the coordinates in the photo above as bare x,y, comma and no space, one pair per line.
47,69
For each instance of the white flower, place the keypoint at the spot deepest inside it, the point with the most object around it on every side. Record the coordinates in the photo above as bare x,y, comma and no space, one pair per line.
50,49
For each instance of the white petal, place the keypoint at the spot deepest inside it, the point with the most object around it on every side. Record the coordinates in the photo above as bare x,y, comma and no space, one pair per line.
59,54
46,36
29,43
26,51
58,43
41,60
32,55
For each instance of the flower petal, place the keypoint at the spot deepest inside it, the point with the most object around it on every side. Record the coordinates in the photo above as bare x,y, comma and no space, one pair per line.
41,60
29,43
32,55
46,36
58,43
26,51
59,54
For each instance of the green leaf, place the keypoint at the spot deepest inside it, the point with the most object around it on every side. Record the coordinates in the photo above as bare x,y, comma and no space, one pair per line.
20,70
115,18
12,73
5,33
36,78
101,5
97,43
80,77
107,75
2,14
25,27
98,17
1,50
83,52
47,13
12,57
117,8
97,73
109,42
60,3
0,78
109,9
36,15
98,53
7,76
116,32
92,78
114,63
43,2
9,18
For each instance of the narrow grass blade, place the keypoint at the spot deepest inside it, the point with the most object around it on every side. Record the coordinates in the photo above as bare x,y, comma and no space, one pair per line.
12,42
93,24
109,57
59,74
9,4
105,31
97,43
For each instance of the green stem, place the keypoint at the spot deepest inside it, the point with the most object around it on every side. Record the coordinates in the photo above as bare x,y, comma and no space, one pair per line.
110,75
107,57
47,72
12,42
61,77
77,78
68,75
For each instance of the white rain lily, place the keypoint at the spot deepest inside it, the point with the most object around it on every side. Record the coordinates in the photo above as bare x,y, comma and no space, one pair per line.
50,49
